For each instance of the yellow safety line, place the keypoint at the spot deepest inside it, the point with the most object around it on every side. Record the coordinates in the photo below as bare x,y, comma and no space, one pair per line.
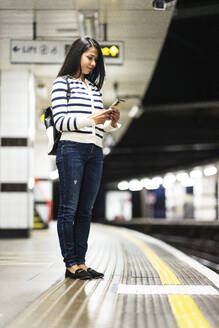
166,275
185,310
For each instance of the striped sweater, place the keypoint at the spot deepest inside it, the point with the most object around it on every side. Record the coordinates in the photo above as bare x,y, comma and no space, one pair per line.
72,117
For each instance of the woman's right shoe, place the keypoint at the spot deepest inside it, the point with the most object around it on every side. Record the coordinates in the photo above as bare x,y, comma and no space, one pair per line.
79,274
94,273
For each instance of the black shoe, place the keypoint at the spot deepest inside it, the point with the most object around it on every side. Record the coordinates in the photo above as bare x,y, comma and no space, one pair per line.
79,274
94,273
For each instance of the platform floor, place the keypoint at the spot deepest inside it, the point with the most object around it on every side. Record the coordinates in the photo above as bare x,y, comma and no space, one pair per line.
147,283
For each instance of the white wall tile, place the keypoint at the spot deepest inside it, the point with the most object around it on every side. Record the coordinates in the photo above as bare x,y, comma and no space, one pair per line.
14,104
16,24
14,164
17,112
14,210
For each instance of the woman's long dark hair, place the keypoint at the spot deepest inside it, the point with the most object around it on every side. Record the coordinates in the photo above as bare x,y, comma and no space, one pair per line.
72,62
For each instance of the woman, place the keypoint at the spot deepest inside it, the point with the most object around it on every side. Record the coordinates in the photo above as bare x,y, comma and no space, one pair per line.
78,112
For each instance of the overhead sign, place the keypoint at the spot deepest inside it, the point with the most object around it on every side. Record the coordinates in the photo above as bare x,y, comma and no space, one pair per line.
39,52
53,52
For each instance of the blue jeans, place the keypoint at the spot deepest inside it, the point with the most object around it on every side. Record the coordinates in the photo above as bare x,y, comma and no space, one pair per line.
80,170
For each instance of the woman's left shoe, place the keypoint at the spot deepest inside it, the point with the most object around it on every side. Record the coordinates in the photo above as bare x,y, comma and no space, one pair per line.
94,273
79,274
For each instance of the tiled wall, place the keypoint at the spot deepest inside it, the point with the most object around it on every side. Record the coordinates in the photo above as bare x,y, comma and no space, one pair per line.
17,115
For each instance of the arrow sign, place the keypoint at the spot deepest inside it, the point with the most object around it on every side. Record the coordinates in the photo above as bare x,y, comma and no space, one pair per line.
15,49
36,51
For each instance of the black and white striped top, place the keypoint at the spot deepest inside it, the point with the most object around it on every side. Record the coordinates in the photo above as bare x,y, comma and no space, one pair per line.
72,117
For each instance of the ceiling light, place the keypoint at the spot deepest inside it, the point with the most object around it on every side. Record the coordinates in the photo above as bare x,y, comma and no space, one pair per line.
157,180
150,184
182,176
135,185
188,182
210,170
123,185
196,173
169,180
145,182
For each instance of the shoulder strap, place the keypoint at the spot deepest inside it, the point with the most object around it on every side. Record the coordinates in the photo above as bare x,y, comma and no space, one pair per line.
68,87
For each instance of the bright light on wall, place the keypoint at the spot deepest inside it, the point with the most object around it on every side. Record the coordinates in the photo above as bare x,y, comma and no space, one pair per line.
123,185
210,170
134,110
106,150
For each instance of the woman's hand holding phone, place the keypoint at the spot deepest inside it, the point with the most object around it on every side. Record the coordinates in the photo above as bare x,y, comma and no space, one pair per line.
102,116
112,113
114,116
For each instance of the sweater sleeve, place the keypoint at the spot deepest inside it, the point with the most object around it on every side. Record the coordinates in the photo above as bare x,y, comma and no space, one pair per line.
63,120
107,127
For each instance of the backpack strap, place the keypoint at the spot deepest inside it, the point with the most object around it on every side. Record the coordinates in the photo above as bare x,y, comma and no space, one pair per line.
68,87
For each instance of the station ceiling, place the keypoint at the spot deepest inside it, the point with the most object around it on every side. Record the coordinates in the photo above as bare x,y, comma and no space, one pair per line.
179,125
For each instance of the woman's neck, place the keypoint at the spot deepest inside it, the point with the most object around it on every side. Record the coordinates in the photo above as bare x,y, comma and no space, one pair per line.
82,77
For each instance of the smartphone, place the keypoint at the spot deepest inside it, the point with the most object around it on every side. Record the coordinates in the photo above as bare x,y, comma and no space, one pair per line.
118,103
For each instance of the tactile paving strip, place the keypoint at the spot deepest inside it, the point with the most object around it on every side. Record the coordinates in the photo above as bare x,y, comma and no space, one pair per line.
186,274
97,304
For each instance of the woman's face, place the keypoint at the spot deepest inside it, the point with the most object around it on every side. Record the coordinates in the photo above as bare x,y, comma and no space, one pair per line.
89,60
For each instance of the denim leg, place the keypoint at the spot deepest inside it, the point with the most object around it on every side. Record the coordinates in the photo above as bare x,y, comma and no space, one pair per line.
70,167
89,188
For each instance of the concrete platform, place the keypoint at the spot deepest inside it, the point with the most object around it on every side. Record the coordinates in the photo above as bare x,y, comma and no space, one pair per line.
147,283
